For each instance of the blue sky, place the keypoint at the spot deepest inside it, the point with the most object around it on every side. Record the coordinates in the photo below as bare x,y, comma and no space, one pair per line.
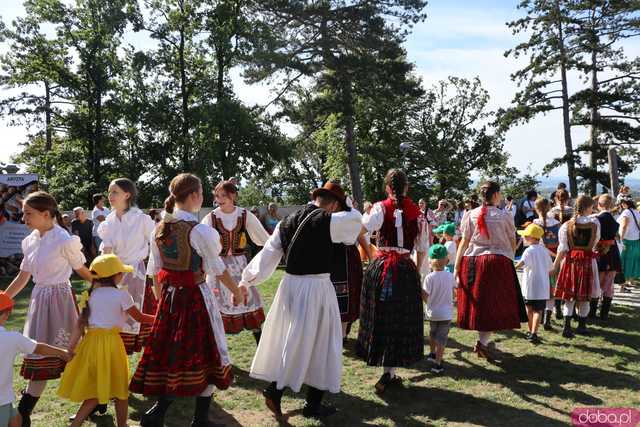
461,38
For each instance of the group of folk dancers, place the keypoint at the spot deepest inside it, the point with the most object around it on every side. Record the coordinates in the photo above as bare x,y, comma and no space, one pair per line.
197,286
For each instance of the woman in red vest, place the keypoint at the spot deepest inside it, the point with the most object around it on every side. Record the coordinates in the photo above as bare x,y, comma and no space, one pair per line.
391,320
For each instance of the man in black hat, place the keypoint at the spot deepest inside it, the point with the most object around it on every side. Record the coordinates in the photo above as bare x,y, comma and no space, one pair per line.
302,336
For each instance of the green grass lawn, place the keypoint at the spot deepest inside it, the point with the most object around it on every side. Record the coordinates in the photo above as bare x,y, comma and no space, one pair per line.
528,386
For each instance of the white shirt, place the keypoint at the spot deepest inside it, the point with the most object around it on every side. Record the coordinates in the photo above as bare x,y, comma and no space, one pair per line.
528,207
256,231
204,240
128,236
632,232
375,219
344,228
537,265
439,286
108,308
11,343
51,258
95,213
452,250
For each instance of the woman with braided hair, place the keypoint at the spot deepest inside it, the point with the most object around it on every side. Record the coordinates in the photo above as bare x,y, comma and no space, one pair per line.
578,279
391,322
489,295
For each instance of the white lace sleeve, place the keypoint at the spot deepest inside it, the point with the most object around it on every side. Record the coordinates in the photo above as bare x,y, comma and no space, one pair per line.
256,231
206,242
264,264
563,238
345,227
155,261
72,252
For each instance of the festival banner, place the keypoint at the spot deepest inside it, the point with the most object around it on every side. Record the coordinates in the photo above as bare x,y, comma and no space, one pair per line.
11,236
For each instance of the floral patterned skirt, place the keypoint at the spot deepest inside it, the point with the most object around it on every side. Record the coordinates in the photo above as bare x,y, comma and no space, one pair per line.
52,316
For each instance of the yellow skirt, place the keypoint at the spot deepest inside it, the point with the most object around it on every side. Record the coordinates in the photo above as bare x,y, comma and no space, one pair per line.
99,370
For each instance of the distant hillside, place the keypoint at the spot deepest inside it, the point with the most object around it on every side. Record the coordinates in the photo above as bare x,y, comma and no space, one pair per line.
548,184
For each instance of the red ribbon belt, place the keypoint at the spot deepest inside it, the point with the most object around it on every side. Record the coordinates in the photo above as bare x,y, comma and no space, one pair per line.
391,260
581,254
184,279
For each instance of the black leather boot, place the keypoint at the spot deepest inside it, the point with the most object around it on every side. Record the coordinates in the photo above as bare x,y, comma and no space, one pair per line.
256,335
604,309
273,399
25,407
547,320
582,326
559,315
154,417
201,415
566,331
314,408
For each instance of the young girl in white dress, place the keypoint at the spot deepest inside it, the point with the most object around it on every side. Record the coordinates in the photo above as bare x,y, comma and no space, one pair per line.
50,256
235,224
126,232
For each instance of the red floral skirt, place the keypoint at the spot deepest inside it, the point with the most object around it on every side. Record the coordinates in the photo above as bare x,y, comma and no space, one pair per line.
489,297
576,276
181,359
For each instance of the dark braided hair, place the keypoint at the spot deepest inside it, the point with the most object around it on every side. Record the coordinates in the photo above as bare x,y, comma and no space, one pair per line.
487,190
396,179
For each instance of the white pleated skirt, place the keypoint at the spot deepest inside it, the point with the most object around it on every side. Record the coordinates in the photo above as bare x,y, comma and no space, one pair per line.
301,339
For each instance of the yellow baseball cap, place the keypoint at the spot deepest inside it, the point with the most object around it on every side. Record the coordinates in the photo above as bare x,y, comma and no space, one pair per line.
108,265
532,230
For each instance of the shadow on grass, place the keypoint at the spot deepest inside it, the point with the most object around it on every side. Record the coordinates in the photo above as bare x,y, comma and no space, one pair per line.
180,412
410,405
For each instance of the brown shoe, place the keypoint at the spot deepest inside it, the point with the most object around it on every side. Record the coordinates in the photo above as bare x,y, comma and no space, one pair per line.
383,383
482,351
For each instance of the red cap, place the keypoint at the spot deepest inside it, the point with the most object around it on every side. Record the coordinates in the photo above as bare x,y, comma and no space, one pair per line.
6,303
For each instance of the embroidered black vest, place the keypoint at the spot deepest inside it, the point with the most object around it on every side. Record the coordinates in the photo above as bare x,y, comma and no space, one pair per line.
235,239
312,251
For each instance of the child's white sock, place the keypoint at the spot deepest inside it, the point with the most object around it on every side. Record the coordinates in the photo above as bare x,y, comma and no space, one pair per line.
36,388
567,308
207,391
390,371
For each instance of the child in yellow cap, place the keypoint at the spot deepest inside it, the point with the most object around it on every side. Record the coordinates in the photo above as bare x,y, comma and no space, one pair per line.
99,371
535,283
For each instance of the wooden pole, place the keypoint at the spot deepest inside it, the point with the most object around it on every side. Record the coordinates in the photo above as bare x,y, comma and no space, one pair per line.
613,171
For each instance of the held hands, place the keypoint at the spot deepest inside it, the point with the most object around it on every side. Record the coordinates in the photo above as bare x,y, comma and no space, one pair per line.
66,355
240,294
